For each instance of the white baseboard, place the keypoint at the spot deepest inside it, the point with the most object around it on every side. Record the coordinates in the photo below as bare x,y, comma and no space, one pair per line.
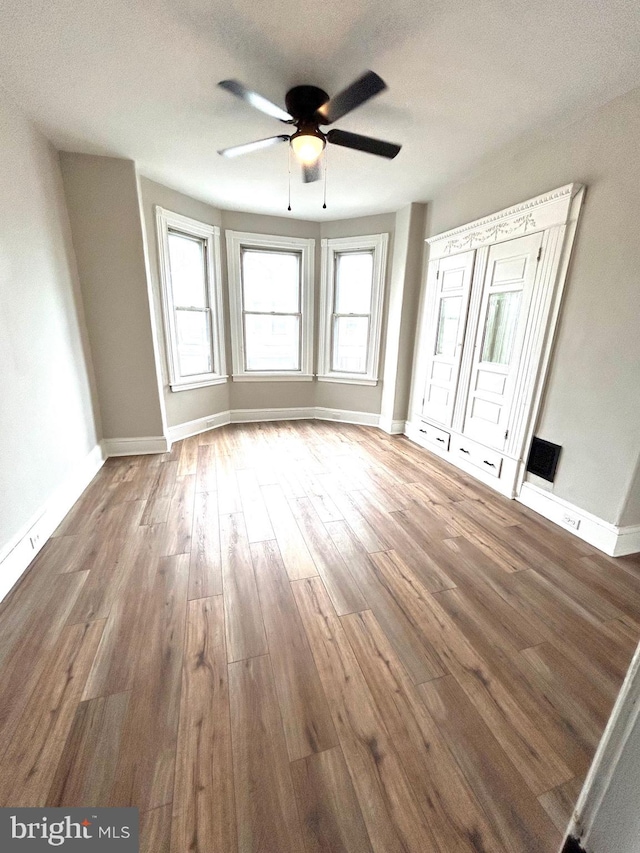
347,417
189,428
391,426
614,541
18,553
243,416
247,416
135,446
628,540
160,444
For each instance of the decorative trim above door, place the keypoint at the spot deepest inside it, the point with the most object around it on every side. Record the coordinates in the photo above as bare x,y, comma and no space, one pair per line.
536,214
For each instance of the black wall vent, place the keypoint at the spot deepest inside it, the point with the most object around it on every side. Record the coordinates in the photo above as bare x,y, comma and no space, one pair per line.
543,458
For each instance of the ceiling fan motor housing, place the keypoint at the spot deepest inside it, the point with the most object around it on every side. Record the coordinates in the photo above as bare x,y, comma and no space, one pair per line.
302,102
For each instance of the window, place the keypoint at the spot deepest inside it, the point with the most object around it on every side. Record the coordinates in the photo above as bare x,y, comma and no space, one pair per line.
351,305
271,299
189,253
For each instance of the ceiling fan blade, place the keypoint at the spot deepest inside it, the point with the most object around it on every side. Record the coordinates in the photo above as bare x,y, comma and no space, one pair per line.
363,143
312,171
248,147
258,101
365,87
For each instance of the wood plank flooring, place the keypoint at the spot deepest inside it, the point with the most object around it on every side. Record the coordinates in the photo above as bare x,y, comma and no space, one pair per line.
303,637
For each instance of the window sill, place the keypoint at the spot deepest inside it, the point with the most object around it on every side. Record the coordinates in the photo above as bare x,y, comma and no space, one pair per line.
272,377
201,383
347,380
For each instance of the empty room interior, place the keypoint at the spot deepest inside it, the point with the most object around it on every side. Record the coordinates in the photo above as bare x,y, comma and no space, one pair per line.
320,426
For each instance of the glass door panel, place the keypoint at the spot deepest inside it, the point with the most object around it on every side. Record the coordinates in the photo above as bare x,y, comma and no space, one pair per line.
503,311
448,323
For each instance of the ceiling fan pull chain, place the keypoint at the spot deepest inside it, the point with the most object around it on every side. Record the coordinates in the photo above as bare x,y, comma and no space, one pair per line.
289,162
324,201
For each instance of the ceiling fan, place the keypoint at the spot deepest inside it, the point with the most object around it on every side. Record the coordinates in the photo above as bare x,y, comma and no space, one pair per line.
308,107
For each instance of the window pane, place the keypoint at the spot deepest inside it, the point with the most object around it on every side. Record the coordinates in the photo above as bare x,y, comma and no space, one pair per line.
194,342
500,329
271,281
354,280
350,337
272,342
188,276
448,326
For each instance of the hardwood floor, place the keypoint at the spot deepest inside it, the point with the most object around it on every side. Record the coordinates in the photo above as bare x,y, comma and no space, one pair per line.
303,636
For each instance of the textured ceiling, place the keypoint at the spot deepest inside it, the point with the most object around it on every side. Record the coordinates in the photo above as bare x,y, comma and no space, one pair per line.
136,78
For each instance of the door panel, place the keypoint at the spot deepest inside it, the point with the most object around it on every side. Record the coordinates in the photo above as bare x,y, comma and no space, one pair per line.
447,327
507,290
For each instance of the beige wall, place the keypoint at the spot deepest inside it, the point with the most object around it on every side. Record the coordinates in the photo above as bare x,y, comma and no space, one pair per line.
352,398
360,226
592,401
102,198
279,226
405,281
47,423
272,395
631,514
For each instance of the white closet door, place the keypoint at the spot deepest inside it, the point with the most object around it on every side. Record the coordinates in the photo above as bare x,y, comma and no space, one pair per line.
448,322
508,287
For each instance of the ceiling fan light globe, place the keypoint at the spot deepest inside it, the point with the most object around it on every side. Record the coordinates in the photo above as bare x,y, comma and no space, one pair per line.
307,147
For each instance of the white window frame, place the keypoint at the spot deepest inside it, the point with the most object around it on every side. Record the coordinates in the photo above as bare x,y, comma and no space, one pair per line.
166,220
377,243
236,242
